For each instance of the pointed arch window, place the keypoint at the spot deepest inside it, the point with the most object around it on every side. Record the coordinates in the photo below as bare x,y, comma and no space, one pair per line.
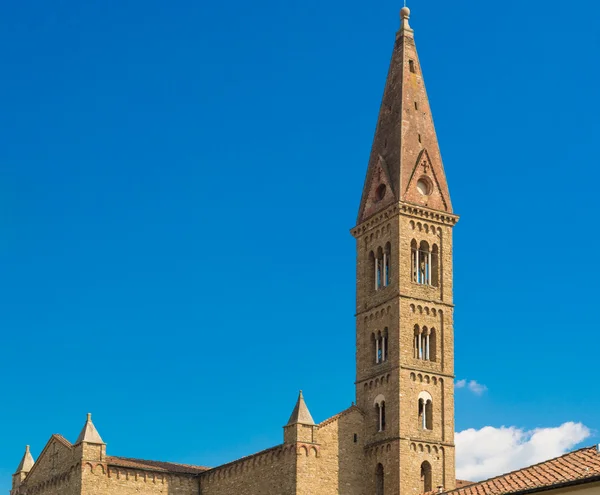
425,263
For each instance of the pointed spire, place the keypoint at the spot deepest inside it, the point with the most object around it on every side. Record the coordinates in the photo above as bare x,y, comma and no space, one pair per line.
301,414
89,434
405,163
26,463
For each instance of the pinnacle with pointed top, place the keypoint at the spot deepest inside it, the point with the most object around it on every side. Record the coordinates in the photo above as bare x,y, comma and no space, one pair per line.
26,463
89,434
301,414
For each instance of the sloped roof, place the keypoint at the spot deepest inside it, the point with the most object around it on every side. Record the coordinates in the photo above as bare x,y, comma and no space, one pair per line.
89,434
301,414
26,463
156,466
353,407
579,466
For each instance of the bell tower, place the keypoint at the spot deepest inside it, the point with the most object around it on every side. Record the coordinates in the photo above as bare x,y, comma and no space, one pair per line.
404,303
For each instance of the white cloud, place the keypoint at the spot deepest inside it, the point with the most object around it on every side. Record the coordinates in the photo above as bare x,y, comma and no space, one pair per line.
472,385
482,454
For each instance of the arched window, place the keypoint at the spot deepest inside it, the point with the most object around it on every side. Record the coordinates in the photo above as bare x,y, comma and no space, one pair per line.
387,255
431,345
381,346
425,345
435,266
379,269
379,481
373,270
425,411
425,263
418,341
426,482
380,410
380,262
386,345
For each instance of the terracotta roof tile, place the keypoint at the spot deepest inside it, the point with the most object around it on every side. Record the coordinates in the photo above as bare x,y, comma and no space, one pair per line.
576,466
156,466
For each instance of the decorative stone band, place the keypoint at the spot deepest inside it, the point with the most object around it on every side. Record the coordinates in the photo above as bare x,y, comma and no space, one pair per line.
417,211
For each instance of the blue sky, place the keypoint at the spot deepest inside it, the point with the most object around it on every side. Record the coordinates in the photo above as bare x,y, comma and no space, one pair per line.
177,185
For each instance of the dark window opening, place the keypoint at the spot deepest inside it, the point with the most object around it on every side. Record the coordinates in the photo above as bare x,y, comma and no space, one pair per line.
380,483
411,64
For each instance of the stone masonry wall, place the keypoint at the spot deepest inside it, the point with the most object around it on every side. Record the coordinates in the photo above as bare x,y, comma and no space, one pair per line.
57,471
335,466
270,472
102,479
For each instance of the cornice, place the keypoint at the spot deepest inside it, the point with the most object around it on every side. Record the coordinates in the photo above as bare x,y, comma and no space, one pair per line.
417,211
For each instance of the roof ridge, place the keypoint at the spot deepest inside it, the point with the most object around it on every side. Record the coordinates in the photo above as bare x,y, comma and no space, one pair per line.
340,414
62,439
475,484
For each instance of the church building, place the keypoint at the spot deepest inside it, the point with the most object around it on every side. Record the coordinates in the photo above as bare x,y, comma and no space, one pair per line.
398,438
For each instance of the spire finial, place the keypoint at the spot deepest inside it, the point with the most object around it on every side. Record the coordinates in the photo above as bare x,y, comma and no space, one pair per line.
89,416
27,449
404,17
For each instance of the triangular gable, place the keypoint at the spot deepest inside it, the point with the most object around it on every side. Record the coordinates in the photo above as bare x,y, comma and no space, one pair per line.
378,192
427,171
55,459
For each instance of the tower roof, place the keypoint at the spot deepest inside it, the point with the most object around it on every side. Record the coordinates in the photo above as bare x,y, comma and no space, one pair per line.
405,163
301,414
89,434
26,463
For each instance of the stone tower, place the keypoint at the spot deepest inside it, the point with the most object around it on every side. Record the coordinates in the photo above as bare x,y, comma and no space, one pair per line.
404,323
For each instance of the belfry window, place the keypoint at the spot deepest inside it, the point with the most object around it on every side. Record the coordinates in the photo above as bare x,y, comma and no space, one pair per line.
425,347
380,413
425,263
381,266
426,482
425,411
381,346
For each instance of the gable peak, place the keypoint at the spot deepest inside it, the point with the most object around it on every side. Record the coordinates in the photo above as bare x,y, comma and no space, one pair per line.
89,434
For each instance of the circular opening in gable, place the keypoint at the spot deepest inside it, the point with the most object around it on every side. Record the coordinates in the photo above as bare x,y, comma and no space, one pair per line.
380,193
424,186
